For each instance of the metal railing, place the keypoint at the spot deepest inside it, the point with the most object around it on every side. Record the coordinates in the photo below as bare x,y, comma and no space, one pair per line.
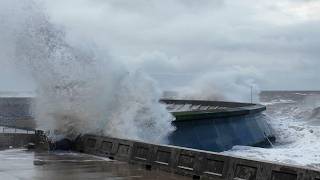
6,129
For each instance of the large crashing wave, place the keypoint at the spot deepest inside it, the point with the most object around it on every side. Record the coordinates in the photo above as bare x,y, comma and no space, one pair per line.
81,89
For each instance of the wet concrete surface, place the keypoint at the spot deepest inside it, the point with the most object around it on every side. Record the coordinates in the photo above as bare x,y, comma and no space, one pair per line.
19,164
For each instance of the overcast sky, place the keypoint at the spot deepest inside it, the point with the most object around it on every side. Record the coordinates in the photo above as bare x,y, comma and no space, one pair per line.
273,44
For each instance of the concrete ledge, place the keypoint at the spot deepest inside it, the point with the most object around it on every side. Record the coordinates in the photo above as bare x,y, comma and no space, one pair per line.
118,149
190,162
226,109
207,103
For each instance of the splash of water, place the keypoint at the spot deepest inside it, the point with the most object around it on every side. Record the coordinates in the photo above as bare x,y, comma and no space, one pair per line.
232,85
80,88
297,129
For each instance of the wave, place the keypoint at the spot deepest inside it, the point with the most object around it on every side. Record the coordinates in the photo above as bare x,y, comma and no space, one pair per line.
80,87
297,129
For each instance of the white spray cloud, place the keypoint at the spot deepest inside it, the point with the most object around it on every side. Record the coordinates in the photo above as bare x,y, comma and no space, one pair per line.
190,39
186,43
80,87
234,84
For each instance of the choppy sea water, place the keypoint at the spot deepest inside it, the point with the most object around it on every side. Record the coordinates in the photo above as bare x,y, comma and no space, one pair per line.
295,117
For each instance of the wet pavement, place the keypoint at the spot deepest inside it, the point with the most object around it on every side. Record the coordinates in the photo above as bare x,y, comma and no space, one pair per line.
19,164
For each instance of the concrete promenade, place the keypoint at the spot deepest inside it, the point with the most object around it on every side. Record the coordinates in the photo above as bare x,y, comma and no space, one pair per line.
19,164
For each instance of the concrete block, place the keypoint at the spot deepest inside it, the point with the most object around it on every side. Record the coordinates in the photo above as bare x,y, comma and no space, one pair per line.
106,147
187,162
163,158
90,145
122,150
279,175
241,168
278,171
215,166
245,172
143,153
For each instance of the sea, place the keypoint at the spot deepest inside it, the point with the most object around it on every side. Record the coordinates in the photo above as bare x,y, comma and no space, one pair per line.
295,119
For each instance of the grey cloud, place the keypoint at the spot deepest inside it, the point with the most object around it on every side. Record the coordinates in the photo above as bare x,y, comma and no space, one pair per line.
180,41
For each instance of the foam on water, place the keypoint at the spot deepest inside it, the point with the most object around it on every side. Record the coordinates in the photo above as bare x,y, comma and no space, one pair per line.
80,87
297,131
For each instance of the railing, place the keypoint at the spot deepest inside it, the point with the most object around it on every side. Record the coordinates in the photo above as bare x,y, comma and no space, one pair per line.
4,129
16,138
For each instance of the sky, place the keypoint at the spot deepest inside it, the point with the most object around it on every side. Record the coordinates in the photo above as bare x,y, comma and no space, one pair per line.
224,45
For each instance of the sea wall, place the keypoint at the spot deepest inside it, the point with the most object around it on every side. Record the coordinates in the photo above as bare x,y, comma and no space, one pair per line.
16,140
218,126
193,163
16,112
221,134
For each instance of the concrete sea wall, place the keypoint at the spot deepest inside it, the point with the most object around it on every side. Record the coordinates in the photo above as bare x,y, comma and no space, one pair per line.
16,140
217,125
190,162
16,112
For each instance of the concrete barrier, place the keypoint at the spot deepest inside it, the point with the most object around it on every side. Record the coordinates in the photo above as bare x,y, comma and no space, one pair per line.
190,162
17,112
16,140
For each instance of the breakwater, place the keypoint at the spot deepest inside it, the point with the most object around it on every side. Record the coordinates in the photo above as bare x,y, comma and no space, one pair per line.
193,163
